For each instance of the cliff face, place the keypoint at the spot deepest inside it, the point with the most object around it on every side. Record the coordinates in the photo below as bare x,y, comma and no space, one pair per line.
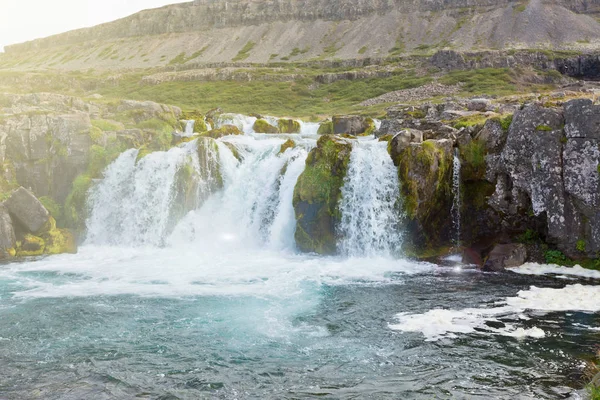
210,31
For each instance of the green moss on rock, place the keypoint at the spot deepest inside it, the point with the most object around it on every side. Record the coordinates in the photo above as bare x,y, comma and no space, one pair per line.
326,128
317,195
225,130
30,246
262,126
288,126
473,161
289,144
425,174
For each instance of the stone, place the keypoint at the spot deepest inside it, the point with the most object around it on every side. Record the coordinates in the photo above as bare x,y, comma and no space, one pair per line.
316,195
288,126
351,125
505,256
492,135
7,233
325,128
389,127
27,210
262,126
402,140
582,119
480,105
425,175
225,130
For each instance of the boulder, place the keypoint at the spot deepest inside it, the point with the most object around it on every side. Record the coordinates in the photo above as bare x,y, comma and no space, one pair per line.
262,126
317,193
480,105
288,126
505,256
352,125
402,140
325,128
582,119
389,127
492,135
27,210
7,233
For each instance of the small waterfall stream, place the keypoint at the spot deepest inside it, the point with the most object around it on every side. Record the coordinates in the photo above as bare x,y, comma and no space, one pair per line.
457,202
371,215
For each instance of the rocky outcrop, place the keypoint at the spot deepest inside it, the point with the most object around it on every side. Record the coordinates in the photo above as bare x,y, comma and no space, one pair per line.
505,256
425,174
352,125
317,194
55,145
27,210
8,239
28,229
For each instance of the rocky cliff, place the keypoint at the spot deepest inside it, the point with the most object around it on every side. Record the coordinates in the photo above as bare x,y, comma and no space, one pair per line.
293,30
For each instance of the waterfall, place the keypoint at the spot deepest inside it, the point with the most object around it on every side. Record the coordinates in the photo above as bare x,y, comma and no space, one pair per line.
457,202
254,209
189,128
138,202
371,216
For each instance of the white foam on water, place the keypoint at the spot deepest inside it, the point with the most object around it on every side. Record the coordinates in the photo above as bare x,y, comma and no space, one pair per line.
438,323
189,271
551,269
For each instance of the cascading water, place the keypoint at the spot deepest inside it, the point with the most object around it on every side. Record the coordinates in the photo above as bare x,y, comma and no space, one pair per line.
189,128
137,201
255,206
457,202
371,213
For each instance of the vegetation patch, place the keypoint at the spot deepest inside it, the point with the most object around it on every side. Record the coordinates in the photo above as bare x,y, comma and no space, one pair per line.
244,53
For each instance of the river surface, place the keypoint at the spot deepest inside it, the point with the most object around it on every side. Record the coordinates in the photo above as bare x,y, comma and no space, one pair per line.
216,303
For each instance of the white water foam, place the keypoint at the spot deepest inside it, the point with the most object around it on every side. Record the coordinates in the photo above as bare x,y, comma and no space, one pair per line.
551,269
438,323
371,216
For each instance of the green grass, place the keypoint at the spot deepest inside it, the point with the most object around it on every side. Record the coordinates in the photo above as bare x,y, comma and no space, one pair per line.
105,125
294,99
363,50
182,59
245,52
491,81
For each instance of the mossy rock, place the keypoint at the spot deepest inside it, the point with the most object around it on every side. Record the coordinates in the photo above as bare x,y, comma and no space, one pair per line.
208,158
234,151
325,128
288,126
472,157
59,241
225,130
30,246
75,209
262,126
198,117
289,144
317,195
425,174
